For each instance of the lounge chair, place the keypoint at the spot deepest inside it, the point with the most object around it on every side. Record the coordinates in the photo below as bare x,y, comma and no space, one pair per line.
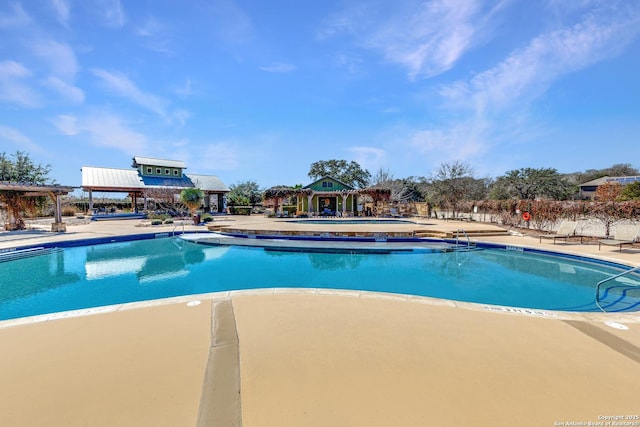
566,230
624,235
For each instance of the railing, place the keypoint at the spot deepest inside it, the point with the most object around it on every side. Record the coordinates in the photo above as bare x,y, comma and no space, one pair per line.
175,240
173,232
609,279
461,230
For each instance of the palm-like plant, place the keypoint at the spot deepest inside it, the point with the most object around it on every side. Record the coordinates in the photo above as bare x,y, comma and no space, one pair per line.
192,198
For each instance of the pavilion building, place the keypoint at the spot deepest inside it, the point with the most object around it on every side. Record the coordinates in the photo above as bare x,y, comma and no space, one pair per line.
149,175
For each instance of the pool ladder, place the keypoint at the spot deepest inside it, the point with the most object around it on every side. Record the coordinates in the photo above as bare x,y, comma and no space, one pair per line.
600,283
175,238
461,246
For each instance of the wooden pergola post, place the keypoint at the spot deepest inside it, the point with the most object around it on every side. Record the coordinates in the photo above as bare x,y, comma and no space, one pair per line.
58,225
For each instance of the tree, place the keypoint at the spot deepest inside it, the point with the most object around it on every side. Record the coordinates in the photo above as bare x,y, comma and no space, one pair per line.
399,191
164,199
192,198
530,183
19,168
605,208
246,193
631,191
452,183
350,173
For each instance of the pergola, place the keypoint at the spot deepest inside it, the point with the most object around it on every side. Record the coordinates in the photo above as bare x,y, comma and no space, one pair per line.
280,192
55,192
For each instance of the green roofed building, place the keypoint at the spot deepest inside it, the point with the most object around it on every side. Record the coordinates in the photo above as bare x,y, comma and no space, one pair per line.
328,196
148,176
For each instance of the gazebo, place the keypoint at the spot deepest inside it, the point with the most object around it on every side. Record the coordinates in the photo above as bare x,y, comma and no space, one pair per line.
18,190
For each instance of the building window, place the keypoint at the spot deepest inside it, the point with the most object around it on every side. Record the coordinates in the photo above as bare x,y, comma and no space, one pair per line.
175,172
158,171
167,172
149,171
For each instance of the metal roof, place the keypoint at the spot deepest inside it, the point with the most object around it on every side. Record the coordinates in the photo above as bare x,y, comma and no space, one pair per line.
621,179
109,179
150,161
208,182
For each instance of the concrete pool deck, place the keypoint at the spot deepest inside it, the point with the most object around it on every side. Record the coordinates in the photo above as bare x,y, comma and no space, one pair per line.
291,357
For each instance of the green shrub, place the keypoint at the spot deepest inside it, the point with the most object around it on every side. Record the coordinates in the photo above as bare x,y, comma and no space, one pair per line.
156,222
240,210
168,221
206,218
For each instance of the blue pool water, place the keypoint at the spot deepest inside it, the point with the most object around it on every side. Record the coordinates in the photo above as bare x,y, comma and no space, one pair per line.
98,275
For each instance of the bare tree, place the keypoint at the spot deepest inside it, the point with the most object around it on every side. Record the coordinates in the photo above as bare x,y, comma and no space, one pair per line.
165,199
452,183
399,190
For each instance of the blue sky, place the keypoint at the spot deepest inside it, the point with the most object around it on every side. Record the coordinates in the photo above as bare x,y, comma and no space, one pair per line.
251,90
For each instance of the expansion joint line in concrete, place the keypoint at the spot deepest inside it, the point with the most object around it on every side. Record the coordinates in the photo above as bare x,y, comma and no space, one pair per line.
220,402
607,338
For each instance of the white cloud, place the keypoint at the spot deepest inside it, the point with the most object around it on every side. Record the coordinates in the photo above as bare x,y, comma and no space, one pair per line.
66,90
217,156
14,87
18,139
529,72
121,85
427,38
112,13
457,141
60,57
370,158
151,27
104,130
62,10
494,106
66,124
18,18
184,90
229,22
278,68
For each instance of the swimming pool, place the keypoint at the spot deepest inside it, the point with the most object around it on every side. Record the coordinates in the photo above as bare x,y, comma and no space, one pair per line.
114,273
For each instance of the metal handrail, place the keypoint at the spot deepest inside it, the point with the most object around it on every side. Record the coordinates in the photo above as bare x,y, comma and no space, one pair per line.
173,232
465,234
609,279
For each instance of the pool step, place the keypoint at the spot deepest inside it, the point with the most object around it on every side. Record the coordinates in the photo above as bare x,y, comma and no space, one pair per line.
452,234
14,254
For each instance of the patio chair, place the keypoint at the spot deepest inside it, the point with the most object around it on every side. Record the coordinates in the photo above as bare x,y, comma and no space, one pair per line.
624,235
566,230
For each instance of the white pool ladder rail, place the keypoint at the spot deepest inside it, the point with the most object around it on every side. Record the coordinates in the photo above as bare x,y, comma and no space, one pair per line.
600,283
